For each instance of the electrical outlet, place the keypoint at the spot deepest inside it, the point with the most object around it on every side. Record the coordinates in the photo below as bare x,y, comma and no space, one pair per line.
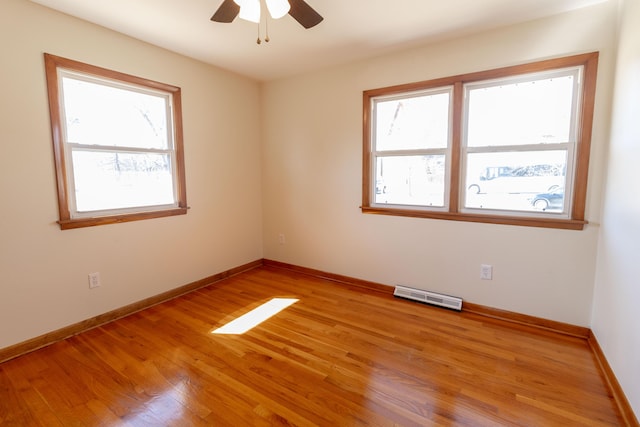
281,239
94,280
486,272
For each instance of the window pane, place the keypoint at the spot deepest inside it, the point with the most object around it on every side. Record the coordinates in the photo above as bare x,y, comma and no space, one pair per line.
107,180
410,180
97,114
412,123
516,180
530,112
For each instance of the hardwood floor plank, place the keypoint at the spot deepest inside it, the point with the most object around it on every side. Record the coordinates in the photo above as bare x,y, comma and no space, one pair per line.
340,356
22,404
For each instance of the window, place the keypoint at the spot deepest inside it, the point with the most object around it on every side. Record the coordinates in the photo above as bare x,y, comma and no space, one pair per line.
508,146
117,143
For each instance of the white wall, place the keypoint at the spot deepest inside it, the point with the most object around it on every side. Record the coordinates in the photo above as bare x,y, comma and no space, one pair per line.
43,270
312,148
617,290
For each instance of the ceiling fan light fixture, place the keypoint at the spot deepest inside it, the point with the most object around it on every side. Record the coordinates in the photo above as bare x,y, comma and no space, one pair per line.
249,10
278,8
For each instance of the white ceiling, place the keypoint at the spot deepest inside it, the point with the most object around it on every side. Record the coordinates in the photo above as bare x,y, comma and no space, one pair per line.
352,29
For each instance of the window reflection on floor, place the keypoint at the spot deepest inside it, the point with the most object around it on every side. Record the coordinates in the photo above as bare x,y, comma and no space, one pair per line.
255,317
165,407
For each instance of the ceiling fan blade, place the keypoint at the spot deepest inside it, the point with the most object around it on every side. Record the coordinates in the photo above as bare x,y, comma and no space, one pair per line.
227,12
304,14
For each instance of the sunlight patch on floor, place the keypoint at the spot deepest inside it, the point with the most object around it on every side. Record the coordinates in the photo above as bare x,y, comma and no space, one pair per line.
255,317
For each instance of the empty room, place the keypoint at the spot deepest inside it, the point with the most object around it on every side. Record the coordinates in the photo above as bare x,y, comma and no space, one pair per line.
320,213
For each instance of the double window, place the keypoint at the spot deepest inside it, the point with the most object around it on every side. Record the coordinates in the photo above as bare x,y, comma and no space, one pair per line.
507,146
117,145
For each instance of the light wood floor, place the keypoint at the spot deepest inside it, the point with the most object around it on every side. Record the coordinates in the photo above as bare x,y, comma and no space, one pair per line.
341,356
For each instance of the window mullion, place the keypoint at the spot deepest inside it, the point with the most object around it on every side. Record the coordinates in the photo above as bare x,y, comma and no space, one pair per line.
422,152
116,149
513,148
455,148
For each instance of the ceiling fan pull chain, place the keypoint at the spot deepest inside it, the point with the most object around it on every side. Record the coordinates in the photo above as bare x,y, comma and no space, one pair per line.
258,41
266,24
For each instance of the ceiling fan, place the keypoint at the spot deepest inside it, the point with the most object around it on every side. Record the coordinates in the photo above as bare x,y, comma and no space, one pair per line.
250,10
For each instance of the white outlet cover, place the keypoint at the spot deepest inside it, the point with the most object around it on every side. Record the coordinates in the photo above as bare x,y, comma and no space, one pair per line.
486,272
94,280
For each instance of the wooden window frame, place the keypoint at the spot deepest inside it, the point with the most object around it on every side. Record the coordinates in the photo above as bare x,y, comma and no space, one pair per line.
66,220
576,220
